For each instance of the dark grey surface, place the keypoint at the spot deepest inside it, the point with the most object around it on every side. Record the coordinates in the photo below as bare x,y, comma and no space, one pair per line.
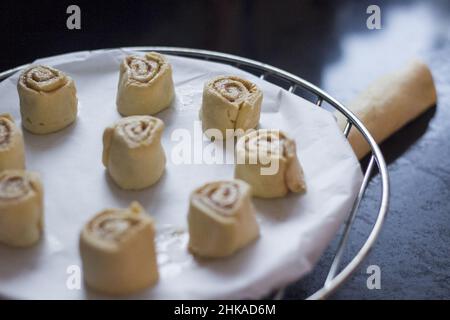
413,250
327,43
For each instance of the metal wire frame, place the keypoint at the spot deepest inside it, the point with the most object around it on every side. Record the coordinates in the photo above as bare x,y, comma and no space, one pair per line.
334,278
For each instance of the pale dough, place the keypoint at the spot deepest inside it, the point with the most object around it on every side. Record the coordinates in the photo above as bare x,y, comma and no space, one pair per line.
221,219
21,208
389,103
232,103
145,85
118,252
12,150
48,100
267,160
132,151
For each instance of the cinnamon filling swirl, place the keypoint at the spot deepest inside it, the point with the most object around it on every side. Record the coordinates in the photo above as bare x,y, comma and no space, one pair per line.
142,69
5,133
232,89
138,131
221,197
270,143
42,78
112,226
14,187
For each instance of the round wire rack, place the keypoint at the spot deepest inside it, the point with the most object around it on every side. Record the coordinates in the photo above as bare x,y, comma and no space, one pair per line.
337,273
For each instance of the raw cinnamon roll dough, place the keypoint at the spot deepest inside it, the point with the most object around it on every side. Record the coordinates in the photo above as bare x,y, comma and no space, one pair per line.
12,150
21,208
132,151
267,160
230,102
118,252
221,218
48,100
389,103
145,85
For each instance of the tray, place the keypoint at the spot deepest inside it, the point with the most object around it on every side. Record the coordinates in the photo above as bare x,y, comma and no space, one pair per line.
297,85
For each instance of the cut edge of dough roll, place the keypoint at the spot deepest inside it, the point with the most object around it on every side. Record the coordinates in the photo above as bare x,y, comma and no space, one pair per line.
389,103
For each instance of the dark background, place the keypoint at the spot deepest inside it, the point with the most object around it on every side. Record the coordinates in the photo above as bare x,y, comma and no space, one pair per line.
327,43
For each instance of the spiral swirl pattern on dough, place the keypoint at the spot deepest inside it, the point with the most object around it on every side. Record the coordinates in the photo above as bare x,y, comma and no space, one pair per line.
220,196
267,160
5,133
221,218
21,208
139,129
48,100
133,153
43,78
14,186
118,252
233,89
112,225
142,69
230,104
12,149
267,143
145,85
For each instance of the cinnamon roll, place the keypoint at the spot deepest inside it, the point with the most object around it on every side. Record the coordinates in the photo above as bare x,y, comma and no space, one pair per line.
48,100
21,208
232,103
12,150
267,160
132,151
221,219
118,252
145,85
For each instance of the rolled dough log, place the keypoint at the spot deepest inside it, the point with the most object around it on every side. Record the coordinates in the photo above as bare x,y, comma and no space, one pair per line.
389,103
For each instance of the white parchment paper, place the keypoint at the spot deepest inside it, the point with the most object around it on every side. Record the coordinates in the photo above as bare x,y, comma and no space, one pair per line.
294,230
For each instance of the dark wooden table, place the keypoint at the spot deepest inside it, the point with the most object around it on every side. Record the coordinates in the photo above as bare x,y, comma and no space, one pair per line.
329,44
